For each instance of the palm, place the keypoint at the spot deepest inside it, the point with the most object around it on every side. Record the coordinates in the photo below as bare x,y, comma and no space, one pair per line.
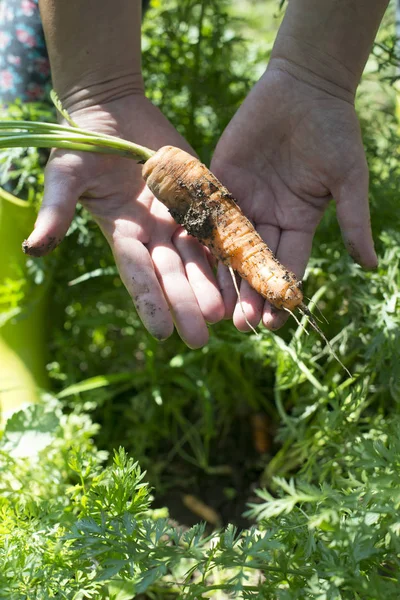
288,150
166,272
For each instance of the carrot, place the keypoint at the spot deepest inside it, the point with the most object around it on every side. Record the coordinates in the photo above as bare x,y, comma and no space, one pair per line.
205,208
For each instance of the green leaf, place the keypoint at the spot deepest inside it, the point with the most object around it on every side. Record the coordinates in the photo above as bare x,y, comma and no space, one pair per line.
121,590
100,381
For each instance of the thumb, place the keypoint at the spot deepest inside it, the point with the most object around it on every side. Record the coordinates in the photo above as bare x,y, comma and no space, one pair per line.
353,214
61,194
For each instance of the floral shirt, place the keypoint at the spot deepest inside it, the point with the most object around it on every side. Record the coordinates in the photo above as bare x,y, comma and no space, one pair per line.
24,65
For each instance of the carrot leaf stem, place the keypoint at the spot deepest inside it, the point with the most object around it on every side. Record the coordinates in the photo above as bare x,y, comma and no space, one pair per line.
25,134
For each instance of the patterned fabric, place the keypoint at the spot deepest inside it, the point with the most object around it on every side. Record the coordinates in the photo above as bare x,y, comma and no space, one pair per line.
24,65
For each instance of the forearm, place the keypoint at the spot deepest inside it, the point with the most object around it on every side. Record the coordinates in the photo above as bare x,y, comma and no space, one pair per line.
94,49
330,39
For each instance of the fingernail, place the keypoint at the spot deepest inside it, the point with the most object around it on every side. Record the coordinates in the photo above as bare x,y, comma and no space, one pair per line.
372,266
33,248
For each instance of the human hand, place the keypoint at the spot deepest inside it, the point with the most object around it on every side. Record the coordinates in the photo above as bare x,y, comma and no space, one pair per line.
166,272
291,147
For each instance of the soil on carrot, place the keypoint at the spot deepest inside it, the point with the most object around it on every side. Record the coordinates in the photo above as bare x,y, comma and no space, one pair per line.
197,220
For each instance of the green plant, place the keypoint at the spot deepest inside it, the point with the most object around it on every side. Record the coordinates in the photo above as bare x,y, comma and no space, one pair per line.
72,529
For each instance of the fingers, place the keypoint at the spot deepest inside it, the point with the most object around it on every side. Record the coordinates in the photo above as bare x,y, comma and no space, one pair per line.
186,277
61,194
200,276
227,289
137,273
293,251
252,302
188,318
155,276
354,217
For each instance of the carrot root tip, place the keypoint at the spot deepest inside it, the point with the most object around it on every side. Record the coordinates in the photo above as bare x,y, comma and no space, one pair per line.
306,311
319,310
299,323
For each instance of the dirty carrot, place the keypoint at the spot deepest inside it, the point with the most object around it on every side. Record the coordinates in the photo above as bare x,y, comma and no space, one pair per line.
205,208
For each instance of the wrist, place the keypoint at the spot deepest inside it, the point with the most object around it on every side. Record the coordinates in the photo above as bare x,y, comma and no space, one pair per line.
328,41
98,88
315,70
94,49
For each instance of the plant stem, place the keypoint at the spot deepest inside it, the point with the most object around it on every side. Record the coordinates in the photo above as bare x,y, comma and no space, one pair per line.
25,134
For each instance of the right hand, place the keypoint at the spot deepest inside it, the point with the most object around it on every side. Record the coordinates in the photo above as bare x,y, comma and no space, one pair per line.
289,149
166,272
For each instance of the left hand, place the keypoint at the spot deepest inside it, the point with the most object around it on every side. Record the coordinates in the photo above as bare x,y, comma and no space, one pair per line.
290,148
